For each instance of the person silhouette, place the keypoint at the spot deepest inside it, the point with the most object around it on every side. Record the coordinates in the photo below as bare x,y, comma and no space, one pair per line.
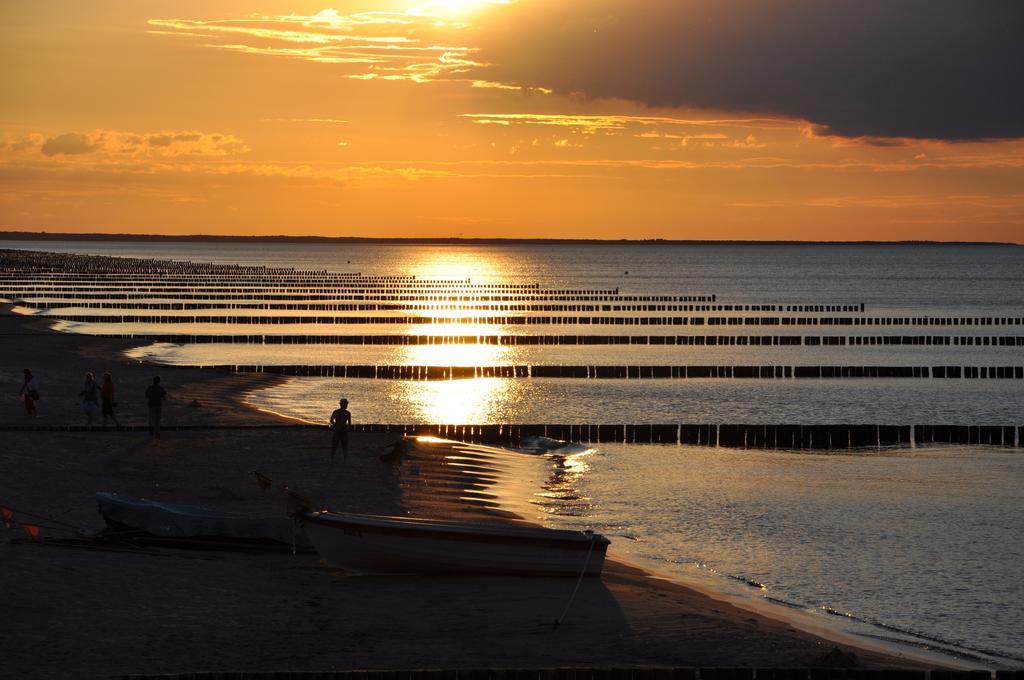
90,396
341,421
155,396
107,402
30,394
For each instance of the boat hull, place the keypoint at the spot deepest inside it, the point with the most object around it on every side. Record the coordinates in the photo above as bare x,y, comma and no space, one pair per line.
398,545
154,522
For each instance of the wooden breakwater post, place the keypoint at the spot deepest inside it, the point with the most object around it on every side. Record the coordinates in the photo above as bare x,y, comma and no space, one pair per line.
987,435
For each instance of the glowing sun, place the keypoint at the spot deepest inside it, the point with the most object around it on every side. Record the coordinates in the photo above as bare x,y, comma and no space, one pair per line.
453,7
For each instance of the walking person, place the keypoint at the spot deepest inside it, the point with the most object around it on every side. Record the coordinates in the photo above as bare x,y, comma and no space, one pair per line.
155,396
29,394
341,422
90,395
107,402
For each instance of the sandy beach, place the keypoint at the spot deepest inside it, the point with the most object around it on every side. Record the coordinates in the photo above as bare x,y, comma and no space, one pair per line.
83,613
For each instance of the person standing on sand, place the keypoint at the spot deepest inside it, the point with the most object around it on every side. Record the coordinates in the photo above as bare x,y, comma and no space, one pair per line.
107,403
29,394
155,396
90,395
341,421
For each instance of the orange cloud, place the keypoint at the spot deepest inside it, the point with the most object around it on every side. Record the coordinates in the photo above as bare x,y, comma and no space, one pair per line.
915,201
420,45
116,143
69,143
615,122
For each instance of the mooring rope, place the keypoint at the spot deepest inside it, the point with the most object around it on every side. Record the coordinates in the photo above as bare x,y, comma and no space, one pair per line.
583,572
47,518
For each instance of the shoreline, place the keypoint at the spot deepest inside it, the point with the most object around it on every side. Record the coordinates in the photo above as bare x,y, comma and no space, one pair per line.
813,624
631,616
789,616
220,395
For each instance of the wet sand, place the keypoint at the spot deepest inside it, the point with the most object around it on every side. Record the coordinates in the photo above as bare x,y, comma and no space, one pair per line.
81,613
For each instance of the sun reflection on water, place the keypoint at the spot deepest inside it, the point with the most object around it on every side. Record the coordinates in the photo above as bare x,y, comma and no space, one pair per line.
458,402
455,355
562,493
459,273
470,329
455,264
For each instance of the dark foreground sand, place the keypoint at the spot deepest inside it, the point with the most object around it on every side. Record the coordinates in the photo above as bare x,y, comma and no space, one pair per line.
79,613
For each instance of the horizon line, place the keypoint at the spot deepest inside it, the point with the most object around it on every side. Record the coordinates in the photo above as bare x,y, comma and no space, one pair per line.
449,240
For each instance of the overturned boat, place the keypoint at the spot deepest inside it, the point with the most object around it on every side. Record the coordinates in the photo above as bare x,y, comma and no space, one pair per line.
405,544
152,523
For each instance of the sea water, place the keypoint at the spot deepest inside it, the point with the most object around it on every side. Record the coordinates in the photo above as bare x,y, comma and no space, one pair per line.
915,545
922,542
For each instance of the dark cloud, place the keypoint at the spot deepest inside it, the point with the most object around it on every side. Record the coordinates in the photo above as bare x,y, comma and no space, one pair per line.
943,69
69,143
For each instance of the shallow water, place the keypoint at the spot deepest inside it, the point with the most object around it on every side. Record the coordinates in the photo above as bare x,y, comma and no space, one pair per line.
925,540
568,400
914,540
633,355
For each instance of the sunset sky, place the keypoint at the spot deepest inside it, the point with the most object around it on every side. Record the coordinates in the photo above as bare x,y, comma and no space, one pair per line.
686,119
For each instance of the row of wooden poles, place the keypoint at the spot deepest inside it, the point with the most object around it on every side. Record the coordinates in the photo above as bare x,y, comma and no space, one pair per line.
30,288
630,673
404,372
786,436
265,320
163,280
95,279
740,436
39,262
627,673
279,320
533,340
387,297
68,265
369,307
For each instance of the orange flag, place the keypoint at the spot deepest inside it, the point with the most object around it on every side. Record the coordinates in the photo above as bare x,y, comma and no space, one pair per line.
8,515
32,530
